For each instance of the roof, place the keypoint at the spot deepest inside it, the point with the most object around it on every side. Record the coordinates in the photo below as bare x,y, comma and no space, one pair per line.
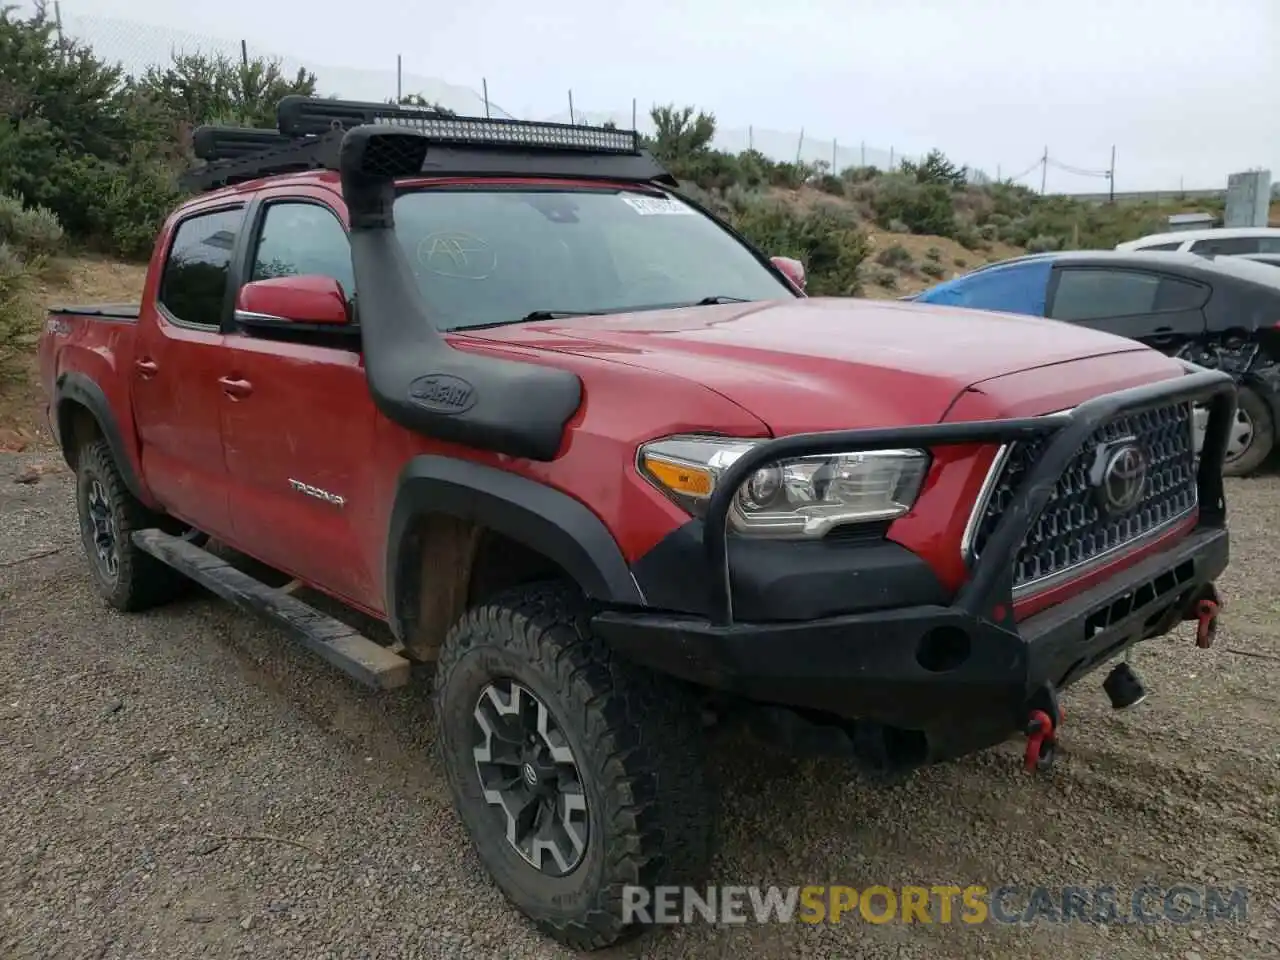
1212,233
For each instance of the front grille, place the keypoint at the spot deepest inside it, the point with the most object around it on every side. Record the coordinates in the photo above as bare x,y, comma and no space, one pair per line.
1074,527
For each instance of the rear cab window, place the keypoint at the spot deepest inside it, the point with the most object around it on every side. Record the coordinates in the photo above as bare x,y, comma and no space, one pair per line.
193,284
494,253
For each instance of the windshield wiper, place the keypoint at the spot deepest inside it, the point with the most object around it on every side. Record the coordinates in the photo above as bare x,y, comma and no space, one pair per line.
535,315
530,317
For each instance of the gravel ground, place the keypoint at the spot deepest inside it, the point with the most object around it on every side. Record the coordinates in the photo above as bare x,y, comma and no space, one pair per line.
187,783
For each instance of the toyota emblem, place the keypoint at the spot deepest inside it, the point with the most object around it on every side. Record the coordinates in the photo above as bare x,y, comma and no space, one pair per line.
1119,476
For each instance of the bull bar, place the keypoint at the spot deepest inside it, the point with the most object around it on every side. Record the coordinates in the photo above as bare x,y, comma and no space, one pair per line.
987,593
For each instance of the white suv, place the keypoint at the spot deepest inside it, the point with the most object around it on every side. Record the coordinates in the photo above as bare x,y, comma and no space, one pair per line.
1220,241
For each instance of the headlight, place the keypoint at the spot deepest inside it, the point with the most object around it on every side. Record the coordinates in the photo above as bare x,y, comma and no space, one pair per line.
804,497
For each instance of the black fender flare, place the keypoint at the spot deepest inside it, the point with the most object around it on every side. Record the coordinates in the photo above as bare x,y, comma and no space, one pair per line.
534,514
73,387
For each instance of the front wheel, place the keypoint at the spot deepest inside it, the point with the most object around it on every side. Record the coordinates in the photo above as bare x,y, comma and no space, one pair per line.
575,773
1252,434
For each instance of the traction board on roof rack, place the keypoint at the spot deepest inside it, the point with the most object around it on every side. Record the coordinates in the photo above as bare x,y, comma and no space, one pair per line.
311,130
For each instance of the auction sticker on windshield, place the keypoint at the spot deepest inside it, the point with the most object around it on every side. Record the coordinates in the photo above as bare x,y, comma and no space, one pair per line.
656,206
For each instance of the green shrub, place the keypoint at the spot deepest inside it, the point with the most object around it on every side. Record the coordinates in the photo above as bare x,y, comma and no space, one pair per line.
94,152
934,254
922,207
896,256
935,270
960,262
1043,244
33,232
883,277
19,314
826,239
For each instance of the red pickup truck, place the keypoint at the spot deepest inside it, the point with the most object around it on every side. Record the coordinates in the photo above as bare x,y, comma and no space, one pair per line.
603,462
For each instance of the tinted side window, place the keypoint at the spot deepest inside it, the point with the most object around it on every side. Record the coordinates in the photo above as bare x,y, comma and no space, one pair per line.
303,239
1180,295
1269,244
1097,294
1162,246
1227,246
194,283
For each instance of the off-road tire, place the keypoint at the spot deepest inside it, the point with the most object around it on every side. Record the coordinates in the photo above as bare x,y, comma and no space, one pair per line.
638,742
141,581
1264,435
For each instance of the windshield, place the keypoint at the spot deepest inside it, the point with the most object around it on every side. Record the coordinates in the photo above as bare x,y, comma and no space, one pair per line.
492,255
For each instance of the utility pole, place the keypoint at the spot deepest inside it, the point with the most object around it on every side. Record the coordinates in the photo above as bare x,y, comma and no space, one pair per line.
1111,177
62,41
399,78
1044,169
571,118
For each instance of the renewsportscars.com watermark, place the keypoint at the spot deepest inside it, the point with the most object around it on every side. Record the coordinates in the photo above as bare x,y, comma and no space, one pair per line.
974,904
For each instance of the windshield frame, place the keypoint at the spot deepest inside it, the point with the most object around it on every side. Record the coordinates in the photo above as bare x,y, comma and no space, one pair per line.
569,184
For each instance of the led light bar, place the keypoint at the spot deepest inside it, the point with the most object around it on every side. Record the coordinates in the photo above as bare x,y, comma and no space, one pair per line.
481,132
301,116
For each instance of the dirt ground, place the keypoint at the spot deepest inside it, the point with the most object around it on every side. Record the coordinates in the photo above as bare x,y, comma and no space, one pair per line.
189,783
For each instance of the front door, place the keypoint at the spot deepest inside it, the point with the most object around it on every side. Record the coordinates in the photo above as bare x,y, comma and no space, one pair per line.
300,433
178,357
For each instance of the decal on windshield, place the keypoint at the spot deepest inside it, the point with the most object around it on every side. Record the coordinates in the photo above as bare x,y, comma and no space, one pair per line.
458,255
657,206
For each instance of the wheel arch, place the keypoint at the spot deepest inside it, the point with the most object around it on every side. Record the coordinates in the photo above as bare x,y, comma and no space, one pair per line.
451,508
78,402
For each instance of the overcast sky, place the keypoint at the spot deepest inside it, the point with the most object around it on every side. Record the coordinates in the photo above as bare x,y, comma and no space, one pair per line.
1187,91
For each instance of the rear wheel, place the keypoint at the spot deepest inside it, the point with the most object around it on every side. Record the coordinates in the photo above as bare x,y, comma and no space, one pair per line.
575,773
1252,435
126,577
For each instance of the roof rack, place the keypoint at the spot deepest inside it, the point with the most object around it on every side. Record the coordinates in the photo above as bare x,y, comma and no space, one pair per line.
310,130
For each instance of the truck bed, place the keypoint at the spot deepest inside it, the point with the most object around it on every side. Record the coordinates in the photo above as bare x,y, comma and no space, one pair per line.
107,311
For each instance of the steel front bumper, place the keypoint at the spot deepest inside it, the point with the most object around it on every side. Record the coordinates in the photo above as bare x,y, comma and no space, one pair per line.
966,672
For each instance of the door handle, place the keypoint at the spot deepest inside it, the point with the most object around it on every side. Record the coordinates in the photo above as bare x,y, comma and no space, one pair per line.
146,367
235,388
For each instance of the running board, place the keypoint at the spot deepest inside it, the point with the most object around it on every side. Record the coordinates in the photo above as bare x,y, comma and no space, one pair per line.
353,653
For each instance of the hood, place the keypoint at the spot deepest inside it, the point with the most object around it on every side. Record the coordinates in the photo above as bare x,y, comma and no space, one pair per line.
825,363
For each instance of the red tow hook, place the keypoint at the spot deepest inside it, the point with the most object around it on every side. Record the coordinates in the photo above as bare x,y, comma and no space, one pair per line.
1042,742
1206,623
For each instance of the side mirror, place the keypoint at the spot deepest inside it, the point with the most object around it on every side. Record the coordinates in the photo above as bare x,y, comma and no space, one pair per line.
793,269
308,300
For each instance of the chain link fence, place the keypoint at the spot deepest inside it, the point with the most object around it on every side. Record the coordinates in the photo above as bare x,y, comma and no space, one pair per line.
137,45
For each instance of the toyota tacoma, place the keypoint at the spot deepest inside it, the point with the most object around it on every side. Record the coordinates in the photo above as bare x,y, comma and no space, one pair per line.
606,466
